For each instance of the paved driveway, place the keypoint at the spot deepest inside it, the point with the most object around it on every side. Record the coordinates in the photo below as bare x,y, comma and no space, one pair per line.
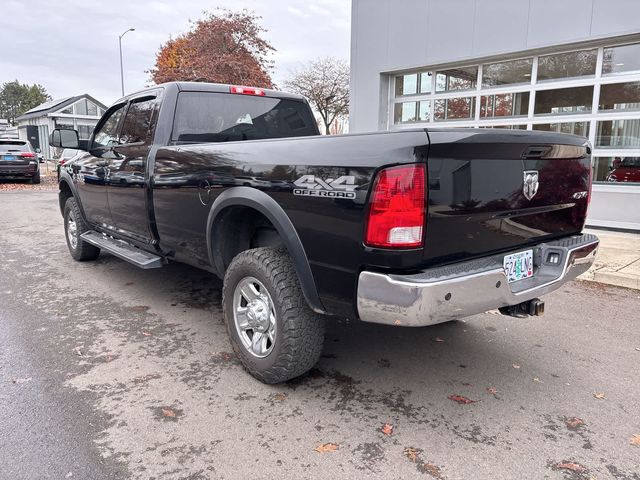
107,371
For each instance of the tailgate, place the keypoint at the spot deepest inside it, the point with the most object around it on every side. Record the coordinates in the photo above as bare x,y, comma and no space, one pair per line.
492,191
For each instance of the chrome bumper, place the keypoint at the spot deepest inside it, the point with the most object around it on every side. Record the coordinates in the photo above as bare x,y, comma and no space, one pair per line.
446,293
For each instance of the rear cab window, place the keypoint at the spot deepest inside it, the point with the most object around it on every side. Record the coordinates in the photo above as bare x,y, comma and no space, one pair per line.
203,117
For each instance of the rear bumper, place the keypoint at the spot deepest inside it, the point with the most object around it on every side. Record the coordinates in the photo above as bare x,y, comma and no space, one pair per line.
446,293
18,171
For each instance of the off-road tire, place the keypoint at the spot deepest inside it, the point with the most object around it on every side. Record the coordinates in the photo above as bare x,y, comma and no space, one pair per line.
299,332
83,251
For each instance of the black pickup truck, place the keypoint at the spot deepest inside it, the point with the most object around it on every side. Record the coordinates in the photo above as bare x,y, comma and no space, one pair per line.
407,228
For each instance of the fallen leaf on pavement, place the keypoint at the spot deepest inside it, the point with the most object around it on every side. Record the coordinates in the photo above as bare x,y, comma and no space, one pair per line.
327,447
139,308
516,366
146,334
438,339
411,453
461,400
78,351
574,467
18,381
494,312
635,440
574,422
600,396
387,429
168,412
537,380
492,390
431,469
109,358
280,397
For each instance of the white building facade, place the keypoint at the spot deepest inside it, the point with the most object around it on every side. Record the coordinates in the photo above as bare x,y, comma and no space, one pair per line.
80,113
569,66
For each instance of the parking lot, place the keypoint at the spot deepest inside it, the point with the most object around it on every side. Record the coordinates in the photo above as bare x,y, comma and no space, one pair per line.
107,371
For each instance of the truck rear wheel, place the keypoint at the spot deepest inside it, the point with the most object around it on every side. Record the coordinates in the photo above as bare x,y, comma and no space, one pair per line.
272,329
74,226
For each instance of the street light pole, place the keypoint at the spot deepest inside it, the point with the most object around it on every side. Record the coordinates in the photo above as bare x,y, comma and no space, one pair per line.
121,69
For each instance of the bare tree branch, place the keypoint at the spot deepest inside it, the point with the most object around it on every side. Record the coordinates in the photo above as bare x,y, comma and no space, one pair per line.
325,83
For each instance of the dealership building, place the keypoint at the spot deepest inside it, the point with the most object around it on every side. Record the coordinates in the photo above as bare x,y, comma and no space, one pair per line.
565,66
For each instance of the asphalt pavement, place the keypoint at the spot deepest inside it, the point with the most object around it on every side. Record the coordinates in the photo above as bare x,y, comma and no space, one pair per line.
110,372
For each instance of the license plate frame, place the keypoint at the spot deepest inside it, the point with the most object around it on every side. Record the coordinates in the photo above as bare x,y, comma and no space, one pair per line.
518,266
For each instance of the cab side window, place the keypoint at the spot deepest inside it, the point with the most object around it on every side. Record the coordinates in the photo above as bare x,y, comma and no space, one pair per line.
107,135
137,126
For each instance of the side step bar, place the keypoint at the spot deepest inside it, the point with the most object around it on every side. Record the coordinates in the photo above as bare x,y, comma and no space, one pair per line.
123,250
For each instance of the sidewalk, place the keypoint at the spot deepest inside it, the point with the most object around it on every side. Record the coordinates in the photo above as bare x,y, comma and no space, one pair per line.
618,259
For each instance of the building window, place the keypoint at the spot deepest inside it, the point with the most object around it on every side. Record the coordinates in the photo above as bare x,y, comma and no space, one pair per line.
623,134
81,107
405,112
575,128
564,101
92,108
454,108
507,73
66,123
504,105
409,112
567,65
413,84
457,79
616,169
624,59
620,96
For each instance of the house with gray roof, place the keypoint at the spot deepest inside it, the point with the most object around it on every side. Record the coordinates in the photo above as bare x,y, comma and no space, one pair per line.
80,113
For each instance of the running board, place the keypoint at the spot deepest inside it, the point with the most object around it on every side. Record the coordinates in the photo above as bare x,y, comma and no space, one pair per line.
123,250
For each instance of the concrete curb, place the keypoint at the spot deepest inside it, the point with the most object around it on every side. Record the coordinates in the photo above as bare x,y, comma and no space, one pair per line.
618,260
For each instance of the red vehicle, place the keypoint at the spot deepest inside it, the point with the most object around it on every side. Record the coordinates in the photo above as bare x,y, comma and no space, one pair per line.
627,171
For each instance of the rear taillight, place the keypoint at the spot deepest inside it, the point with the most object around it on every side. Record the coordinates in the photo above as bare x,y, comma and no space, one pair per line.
28,155
247,91
397,208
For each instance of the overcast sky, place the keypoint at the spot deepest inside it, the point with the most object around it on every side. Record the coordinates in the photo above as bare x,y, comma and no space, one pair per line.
71,46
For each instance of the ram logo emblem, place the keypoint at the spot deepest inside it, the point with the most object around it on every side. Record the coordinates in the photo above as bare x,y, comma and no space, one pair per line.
531,184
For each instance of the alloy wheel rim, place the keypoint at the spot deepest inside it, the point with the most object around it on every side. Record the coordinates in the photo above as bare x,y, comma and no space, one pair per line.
72,230
254,317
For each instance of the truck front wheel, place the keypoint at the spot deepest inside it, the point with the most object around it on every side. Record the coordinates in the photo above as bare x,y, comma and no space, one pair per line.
74,227
272,329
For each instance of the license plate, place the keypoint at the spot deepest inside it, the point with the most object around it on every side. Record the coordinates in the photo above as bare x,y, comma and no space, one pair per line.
518,266
9,158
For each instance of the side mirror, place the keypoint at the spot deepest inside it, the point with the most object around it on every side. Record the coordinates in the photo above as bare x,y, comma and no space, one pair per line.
64,138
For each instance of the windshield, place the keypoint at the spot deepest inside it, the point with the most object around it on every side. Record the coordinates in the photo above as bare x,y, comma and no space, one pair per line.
220,117
13,146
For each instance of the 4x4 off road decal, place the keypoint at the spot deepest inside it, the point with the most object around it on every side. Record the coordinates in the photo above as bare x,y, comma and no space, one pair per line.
312,186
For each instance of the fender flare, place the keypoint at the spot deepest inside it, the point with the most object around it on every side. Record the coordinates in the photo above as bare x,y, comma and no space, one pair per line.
66,178
267,206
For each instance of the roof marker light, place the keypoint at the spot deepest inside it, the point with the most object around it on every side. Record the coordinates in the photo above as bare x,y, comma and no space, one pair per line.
247,90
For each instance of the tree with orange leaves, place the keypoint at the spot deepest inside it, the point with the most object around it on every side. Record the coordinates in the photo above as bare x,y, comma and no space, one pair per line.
222,47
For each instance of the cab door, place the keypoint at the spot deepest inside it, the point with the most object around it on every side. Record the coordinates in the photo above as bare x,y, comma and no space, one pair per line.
91,170
127,183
